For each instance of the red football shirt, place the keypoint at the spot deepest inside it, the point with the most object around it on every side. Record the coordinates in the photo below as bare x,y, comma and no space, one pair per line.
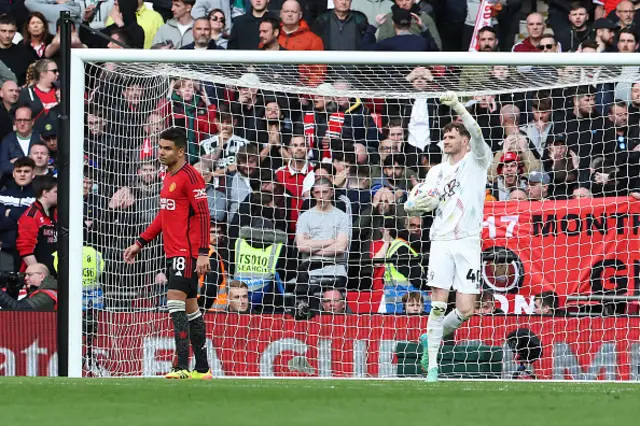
48,99
183,218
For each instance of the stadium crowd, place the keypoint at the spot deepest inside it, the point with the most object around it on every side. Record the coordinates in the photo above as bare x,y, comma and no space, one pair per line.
305,191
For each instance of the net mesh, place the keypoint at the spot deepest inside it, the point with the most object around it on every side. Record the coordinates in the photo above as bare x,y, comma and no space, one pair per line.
559,261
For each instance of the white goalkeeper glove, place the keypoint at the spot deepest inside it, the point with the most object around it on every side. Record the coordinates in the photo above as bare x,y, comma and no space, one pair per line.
449,99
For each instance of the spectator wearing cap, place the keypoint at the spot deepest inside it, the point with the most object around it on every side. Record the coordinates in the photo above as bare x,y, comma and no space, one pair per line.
9,94
510,176
538,185
605,32
571,36
41,97
49,136
15,56
244,34
179,29
417,23
404,40
535,30
560,164
17,144
519,144
341,28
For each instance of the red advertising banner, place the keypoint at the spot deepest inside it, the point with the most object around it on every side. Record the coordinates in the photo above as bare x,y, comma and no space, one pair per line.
570,247
341,346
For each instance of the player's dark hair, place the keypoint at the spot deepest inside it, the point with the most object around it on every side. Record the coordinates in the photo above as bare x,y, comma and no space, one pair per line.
457,126
6,19
548,299
24,162
275,22
176,135
43,183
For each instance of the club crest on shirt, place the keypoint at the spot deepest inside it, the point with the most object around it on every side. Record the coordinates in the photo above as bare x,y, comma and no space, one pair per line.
172,187
450,188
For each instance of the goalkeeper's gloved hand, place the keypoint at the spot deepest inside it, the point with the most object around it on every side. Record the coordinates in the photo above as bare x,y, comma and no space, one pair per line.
449,99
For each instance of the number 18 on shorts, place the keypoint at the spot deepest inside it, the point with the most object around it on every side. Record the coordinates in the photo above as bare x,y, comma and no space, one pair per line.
455,264
182,275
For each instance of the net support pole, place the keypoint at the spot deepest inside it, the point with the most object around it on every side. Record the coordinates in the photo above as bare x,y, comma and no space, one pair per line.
69,324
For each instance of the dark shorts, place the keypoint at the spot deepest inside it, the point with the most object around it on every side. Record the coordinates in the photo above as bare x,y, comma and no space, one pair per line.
181,273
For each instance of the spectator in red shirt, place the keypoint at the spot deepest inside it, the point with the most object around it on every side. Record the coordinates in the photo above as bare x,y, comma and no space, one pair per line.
37,228
41,97
293,174
535,30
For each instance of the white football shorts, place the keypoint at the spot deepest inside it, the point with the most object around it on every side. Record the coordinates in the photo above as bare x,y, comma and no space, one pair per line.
456,264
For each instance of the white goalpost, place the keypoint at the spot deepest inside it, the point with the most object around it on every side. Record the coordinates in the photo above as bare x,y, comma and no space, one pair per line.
562,264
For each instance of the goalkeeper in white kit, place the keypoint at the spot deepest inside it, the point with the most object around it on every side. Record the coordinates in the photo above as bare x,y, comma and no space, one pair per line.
456,191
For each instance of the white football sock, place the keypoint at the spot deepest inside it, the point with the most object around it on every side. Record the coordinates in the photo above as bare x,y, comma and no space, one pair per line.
434,331
452,322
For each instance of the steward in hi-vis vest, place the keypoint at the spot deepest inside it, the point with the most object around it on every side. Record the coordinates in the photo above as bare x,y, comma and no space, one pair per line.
258,258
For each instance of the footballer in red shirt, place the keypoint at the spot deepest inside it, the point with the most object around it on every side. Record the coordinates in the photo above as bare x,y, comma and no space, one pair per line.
184,222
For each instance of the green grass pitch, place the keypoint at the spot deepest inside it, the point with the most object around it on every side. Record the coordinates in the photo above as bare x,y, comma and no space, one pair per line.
140,402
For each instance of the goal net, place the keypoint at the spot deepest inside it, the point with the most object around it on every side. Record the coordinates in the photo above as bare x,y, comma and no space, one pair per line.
560,259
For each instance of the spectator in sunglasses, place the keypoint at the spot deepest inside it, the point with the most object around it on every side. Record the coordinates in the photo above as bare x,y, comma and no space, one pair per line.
218,28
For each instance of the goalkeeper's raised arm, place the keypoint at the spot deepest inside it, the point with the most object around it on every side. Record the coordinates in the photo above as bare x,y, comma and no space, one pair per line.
479,148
